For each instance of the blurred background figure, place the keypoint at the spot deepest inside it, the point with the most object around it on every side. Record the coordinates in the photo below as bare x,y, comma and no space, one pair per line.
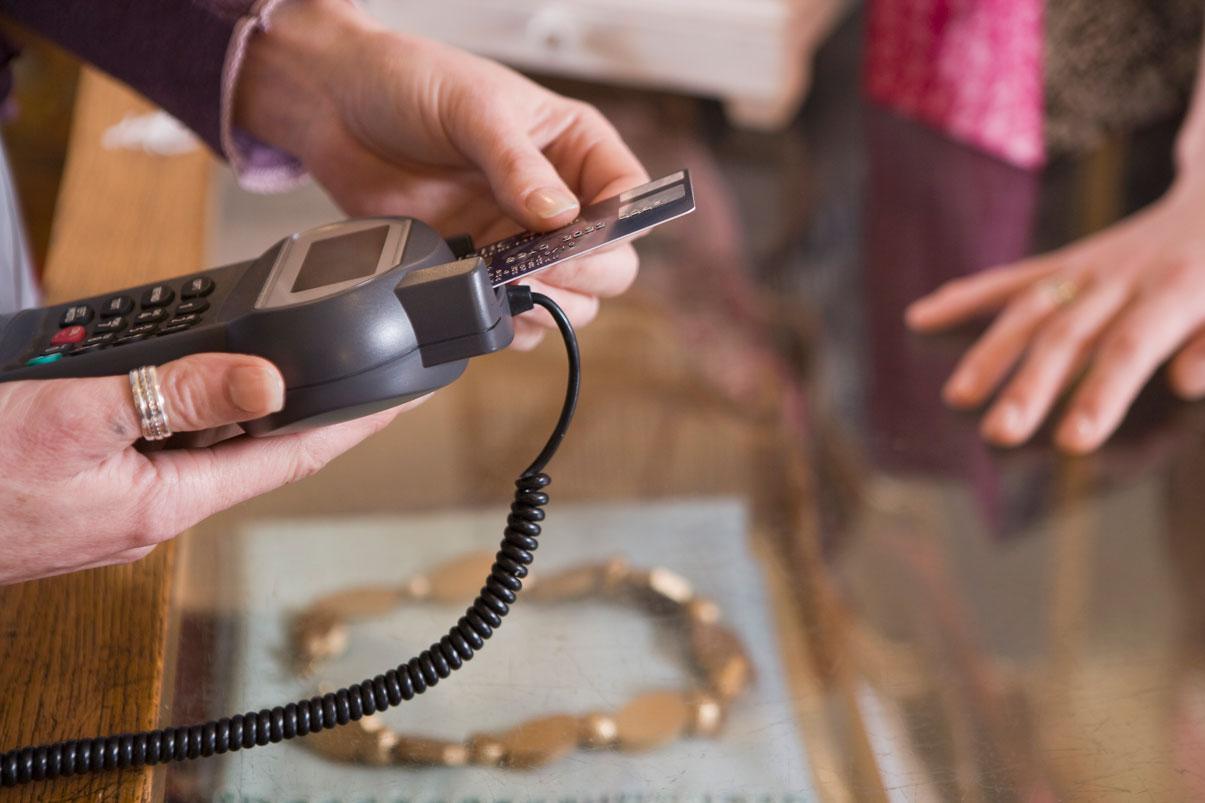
1027,81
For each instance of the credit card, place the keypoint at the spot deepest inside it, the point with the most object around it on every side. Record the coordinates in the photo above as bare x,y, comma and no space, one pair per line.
609,221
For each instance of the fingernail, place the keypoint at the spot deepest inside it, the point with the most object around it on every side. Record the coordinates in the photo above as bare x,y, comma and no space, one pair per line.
1003,424
1076,433
256,389
914,315
549,202
959,389
1189,384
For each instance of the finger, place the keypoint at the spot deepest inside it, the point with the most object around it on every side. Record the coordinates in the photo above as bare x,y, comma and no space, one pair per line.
364,184
997,351
1058,351
206,391
527,335
1186,373
1128,356
580,307
605,273
231,472
98,416
962,299
523,181
204,438
593,158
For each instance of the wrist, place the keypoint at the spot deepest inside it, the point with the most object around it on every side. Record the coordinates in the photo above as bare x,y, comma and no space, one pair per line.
291,70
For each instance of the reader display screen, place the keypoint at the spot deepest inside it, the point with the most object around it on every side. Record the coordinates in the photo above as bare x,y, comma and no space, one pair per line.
342,258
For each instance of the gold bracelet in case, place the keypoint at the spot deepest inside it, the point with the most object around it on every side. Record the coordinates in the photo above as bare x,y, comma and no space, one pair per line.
718,660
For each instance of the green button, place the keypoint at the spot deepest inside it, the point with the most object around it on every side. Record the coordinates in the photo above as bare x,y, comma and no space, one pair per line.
45,359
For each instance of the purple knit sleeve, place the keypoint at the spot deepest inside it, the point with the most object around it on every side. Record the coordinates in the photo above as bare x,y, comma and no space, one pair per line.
259,166
184,55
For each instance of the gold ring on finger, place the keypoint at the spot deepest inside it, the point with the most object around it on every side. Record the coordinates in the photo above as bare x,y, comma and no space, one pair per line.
149,403
1060,290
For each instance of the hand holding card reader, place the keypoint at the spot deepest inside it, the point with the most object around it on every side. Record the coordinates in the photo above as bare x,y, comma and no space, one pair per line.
358,316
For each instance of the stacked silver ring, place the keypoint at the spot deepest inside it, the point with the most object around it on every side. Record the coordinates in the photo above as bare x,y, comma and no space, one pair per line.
148,401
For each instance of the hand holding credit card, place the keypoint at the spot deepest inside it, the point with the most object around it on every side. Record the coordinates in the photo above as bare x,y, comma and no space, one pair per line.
600,224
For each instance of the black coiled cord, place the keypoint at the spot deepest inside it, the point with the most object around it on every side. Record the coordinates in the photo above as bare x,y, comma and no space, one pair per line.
415,676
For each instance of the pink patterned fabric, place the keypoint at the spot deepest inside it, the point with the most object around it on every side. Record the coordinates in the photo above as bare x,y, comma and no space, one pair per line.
971,68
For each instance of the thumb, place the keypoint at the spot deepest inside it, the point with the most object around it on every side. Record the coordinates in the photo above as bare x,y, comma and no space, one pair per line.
202,391
523,181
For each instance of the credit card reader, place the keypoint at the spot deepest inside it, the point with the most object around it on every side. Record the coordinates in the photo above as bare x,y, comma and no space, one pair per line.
358,316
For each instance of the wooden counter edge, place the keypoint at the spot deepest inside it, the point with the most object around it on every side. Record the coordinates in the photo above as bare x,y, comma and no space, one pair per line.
88,654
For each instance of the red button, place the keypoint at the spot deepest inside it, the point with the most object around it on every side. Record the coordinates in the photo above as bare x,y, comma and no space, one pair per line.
68,334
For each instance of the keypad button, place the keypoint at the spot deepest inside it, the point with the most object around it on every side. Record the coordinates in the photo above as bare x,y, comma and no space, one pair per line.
150,316
100,340
183,320
59,349
117,305
158,296
189,307
196,288
45,358
79,314
121,341
110,325
69,334
173,328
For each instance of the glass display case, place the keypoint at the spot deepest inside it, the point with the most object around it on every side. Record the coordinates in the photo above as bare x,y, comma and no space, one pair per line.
760,444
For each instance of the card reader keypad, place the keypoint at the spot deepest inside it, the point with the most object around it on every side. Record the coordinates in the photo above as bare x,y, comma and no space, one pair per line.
119,320
117,305
197,288
158,296
69,335
76,315
153,315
